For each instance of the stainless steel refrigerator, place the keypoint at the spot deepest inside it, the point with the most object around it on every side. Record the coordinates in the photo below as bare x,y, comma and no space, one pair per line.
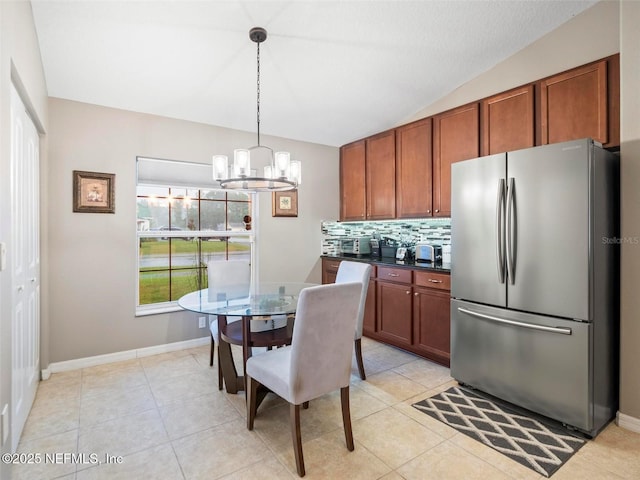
535,280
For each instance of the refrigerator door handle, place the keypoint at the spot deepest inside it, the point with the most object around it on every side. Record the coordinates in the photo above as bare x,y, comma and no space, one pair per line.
511,232
561,330
500,207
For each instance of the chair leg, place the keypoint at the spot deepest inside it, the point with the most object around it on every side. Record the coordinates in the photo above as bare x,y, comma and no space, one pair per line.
294,414
213,346
220,376
346,417
252,394
358,346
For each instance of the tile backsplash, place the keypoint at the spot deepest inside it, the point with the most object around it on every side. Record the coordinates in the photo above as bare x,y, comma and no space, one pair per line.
432,230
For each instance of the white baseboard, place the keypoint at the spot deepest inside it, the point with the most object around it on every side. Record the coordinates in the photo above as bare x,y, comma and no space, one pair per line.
120,356
628,422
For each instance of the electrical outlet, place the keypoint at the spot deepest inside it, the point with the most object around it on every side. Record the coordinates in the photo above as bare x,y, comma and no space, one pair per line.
202,322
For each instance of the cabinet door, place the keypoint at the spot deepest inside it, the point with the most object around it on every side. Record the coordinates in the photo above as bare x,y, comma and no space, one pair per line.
574,105
413,175
381,176
456,137
508,121
394,312
329,270
352,181
369,320
431,321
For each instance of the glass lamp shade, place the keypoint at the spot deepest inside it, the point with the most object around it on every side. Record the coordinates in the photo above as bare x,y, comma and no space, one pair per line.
241,162
220,167
295,172
282,164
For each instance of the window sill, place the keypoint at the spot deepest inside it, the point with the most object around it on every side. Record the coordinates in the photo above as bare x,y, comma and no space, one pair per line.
156,309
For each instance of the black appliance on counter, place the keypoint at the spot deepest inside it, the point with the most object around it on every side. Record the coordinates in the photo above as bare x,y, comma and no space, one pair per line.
375,247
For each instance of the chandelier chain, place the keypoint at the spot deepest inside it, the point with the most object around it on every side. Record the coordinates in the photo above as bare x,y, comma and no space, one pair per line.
258,94
277,178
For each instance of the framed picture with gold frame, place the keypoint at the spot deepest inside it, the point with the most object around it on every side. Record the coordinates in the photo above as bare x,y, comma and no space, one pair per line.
94,192
285,204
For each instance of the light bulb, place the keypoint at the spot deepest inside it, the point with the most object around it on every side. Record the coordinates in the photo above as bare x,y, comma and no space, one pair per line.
282,164
241,162
220,167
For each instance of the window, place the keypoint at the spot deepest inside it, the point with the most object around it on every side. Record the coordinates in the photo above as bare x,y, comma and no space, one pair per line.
180,230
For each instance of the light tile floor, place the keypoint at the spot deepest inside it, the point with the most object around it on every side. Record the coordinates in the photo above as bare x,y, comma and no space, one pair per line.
162,417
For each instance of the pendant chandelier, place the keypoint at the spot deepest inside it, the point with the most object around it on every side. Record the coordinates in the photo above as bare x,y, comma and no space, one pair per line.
281,173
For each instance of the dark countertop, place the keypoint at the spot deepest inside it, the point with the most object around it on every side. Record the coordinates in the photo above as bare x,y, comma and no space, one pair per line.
391,262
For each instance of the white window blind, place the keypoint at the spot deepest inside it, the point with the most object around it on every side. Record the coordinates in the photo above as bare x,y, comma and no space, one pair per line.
174,173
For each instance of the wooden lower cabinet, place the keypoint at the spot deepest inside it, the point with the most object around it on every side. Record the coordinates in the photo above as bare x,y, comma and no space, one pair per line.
369,326
394,307
329,270
407,308
431,323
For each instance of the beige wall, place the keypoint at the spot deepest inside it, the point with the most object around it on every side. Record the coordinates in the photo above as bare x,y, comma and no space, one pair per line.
20,61
630,195
592,35
93,256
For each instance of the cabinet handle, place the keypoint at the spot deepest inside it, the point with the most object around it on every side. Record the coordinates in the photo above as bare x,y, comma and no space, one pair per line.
20,288
428,211
434,281
415,294
393,274
408,292
437,210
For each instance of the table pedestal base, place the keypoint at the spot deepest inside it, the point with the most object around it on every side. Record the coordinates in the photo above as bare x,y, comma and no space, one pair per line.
239,333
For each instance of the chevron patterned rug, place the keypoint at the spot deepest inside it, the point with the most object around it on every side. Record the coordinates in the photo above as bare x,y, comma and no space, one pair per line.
536,445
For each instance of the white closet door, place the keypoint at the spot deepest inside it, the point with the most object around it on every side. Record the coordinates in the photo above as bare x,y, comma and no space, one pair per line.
24,253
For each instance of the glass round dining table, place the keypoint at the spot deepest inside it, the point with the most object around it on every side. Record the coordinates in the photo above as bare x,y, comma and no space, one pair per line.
266,310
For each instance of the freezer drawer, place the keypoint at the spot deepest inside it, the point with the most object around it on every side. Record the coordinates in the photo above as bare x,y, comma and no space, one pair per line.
536,362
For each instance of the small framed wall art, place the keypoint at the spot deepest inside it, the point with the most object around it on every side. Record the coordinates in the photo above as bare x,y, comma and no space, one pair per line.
285,204
94,192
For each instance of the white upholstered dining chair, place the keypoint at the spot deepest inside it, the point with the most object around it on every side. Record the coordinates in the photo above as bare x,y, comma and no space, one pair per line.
356,272
317,362
232,277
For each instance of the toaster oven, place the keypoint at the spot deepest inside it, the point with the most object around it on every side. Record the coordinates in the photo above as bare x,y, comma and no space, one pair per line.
356,245
426,253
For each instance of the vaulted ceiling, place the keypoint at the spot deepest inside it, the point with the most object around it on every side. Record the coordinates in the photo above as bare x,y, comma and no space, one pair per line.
331,71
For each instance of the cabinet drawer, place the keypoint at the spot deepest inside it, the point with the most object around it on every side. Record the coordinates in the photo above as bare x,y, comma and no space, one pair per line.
433,280
331,266
401,275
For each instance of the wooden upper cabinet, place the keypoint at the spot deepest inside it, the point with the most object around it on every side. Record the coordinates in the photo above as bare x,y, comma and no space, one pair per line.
413,170
381,175
574,105
406,172
508,121
456,137
352,181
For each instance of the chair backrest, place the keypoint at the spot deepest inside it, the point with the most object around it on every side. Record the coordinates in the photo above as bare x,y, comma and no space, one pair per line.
229,278
356,272
322,343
